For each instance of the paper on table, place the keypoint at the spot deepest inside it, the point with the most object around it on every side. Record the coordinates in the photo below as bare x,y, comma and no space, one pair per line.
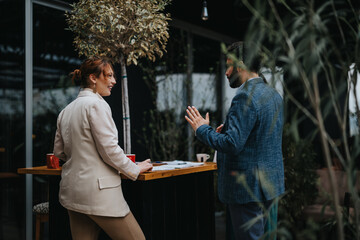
164,167
176,164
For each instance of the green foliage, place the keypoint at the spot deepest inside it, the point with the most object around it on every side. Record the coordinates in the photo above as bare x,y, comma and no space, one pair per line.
317,45
306,231
300,176
133,28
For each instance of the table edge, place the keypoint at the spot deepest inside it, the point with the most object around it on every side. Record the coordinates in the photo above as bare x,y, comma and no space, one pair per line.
210,166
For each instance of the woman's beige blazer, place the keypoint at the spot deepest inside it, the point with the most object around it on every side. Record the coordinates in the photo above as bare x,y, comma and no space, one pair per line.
87,140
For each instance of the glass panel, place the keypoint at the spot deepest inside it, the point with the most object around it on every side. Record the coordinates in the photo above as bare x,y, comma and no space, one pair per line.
163,129
54,59
354,102
206,73
171,74
206,84
12,119
12,82
167,136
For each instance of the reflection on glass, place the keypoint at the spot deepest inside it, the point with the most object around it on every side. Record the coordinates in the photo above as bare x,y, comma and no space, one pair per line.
171,81
175,84
12,83
54,59
12,119
205,78
354,94
170,92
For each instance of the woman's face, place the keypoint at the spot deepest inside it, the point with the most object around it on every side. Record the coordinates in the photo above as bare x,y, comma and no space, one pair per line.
105,82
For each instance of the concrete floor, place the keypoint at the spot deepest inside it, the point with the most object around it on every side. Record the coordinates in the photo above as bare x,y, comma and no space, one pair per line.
220,226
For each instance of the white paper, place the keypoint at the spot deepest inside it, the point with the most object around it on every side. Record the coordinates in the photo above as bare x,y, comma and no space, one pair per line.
176,164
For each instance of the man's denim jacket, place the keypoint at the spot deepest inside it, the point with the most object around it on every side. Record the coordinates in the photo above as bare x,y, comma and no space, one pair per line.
250,163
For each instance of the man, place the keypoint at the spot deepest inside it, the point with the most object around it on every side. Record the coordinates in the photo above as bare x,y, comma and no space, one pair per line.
248,145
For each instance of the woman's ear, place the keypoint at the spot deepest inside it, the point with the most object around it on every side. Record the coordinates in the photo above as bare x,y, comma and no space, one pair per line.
92,78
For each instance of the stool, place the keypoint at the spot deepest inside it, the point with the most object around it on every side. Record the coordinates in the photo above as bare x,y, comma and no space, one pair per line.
41,211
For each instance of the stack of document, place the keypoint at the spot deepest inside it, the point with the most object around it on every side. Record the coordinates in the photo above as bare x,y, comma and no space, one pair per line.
176,164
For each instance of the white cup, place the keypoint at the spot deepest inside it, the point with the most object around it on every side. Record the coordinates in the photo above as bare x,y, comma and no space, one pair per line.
202,157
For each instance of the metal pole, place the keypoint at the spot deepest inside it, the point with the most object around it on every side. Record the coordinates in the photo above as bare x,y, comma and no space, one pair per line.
28,113
188,91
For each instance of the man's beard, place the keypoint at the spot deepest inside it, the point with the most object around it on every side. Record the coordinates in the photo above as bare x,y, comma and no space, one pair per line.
234,79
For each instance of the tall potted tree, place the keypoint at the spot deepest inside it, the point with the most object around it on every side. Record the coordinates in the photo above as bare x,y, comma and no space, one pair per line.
124,31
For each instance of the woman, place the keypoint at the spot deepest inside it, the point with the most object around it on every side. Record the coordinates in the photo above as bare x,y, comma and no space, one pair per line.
87,141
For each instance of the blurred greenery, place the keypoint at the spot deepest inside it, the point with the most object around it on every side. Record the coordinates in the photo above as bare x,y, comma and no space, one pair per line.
300,183
300,176
316,45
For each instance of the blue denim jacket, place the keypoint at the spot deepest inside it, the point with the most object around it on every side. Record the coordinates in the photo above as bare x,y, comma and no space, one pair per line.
249,145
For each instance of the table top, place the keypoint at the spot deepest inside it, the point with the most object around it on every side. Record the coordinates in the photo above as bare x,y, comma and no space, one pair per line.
152,175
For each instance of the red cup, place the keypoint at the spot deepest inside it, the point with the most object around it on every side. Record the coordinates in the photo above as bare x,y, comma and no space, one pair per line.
131,157
52,161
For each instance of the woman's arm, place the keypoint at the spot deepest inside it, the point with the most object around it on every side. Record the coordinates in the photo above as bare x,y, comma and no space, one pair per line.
105,136
58,142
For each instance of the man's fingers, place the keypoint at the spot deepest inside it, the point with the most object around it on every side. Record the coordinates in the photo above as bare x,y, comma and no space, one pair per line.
196,111
191,110
191,115
189,120
219,128
192,124
207,117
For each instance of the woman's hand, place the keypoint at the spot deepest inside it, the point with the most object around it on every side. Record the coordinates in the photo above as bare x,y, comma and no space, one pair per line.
145,166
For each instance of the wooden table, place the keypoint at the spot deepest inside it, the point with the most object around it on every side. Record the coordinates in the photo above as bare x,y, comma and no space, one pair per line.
172,204
152,175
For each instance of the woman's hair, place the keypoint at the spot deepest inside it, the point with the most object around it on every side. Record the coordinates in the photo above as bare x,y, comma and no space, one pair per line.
93,65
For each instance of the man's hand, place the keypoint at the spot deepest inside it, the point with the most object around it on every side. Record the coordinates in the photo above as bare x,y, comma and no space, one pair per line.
219,128
195,119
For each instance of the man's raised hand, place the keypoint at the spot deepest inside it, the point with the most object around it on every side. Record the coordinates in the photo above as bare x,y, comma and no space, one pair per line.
195,119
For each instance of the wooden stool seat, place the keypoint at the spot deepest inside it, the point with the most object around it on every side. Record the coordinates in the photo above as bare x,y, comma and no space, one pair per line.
41,211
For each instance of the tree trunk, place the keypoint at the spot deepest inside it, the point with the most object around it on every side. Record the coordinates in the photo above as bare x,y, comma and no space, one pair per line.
125,106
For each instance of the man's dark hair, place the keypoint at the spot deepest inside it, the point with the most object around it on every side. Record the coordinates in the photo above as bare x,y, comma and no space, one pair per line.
248,53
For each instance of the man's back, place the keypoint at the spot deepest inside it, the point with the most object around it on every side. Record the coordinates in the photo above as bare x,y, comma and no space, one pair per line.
250,145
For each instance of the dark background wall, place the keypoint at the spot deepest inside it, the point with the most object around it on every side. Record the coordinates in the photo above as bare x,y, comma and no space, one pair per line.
229,17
